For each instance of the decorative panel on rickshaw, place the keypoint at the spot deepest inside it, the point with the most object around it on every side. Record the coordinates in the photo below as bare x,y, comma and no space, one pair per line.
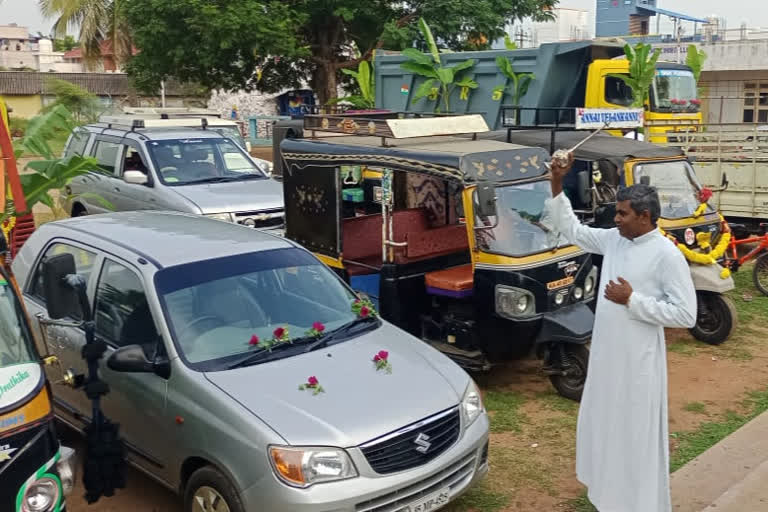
500,166
313,208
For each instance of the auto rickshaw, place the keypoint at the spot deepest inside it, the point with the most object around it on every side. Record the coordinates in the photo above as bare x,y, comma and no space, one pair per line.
448,238
606,163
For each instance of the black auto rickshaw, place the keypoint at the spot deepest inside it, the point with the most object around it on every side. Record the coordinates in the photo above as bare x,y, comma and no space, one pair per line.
606,163
450,243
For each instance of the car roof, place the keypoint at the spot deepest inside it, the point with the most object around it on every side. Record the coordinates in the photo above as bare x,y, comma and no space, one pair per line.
156,133
169,238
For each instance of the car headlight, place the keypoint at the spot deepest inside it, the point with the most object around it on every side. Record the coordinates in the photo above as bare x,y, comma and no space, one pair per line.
41,496
514,302
226,217
590,283
304,466
67,469
471,404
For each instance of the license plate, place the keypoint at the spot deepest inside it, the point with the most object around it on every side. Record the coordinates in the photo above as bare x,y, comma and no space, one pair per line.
431,502
553,285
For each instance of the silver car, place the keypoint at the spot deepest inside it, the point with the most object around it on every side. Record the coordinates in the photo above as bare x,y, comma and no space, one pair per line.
242,371
180,169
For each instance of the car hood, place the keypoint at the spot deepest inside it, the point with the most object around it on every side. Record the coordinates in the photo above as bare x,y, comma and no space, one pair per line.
359,404
236,196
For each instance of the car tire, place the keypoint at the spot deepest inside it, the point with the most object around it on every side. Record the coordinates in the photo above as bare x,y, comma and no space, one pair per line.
209,491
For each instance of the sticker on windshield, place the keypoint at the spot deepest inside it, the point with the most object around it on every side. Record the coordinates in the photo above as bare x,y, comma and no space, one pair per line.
17,381
673,72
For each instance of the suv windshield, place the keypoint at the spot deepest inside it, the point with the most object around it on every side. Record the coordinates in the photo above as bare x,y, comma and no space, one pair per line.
674,90
231,132
522,225
15,340
677,186
186,161
215,307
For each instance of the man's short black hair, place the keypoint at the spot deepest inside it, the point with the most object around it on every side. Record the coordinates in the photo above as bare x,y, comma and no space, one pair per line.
641,198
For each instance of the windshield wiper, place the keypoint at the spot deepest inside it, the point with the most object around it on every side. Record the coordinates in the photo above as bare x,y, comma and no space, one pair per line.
344,330
259,355
213,179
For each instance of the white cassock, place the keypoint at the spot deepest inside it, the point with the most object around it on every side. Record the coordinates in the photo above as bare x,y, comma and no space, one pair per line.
622,450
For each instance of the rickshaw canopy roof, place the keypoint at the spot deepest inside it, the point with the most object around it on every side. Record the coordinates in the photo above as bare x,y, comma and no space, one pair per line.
450,157
599,147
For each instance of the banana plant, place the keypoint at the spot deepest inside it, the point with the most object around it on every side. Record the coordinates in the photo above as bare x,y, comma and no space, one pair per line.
521,82
49,172
364,77
695,60
642,71
441,80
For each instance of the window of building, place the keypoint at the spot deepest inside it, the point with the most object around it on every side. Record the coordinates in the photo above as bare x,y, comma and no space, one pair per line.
755,102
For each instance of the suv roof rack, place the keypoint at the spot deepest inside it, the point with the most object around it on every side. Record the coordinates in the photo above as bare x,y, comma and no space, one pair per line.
139,122
171,112
396,125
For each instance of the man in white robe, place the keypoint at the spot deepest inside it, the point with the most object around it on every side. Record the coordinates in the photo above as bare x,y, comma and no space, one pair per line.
622,450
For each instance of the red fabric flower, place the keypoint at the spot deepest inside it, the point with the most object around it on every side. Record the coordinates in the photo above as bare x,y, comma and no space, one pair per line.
279,333
364,311
705,194
254,340
319,327
312,381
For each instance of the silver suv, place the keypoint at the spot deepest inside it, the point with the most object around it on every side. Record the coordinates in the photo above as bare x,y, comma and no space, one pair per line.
155,166
245,377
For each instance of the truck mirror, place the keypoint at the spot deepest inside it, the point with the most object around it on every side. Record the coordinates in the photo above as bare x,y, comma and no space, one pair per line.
645,180
486,200
585,195
62,296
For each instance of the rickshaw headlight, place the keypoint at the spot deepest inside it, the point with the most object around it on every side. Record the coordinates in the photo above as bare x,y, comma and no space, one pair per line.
514,302
590,283
578,293
560,297
41,496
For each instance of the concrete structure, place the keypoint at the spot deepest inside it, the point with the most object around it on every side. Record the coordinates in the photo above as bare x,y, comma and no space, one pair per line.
26,92
568,25
21,51
618,18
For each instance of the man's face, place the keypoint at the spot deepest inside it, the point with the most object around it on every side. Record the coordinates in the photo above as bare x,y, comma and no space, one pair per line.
630,224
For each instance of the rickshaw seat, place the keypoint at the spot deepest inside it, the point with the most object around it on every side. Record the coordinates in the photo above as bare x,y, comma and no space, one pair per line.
456,282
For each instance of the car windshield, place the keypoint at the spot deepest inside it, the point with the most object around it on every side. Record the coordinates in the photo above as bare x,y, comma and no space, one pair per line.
523,228
231,132
15,340
677,186
674,90
215,307
204,160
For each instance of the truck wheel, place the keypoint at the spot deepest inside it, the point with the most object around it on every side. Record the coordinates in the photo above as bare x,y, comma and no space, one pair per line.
716,318
575,360
760,273
210,491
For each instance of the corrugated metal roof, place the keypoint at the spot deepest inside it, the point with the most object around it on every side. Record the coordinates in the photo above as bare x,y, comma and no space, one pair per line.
101,84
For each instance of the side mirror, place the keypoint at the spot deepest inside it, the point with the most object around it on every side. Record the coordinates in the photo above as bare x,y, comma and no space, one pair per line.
585,192
645,180
63,288
130,359
135,177
486,200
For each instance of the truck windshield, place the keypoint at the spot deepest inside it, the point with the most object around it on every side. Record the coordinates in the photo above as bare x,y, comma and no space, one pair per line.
15,340
523,228
674,90
677,186
204,160
223,308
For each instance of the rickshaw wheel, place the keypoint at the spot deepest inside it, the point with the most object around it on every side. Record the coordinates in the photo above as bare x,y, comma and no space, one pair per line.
716,318
760,273
576,359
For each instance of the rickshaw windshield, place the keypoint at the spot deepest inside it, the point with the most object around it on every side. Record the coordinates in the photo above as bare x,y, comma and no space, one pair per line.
677,186
15,340
523,227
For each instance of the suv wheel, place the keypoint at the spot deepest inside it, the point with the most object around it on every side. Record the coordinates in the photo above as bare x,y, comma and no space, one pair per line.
210,491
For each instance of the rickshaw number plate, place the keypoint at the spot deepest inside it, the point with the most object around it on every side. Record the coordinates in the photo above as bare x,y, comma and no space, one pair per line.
378,193
432,502
553,285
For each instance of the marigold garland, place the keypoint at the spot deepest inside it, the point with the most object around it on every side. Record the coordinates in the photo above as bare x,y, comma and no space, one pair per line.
709,258
700,210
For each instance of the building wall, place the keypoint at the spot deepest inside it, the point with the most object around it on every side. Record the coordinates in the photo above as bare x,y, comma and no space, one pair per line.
612,16
13,59
735,96
24,106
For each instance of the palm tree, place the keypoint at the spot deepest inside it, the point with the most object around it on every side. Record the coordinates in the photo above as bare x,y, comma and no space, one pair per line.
98,21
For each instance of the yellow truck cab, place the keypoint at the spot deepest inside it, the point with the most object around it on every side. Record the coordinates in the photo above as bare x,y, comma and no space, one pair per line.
673,106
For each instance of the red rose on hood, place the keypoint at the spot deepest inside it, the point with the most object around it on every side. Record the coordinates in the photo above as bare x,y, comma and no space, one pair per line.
319,327
312,381
279,333
254,340
364,311
383,354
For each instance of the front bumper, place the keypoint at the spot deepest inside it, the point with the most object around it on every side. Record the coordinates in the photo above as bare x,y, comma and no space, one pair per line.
458,468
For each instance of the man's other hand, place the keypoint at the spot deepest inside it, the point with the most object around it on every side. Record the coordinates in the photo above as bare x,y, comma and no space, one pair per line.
618,293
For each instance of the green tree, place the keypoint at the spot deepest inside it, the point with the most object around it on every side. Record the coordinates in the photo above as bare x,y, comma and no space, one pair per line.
234,45
440,80
642,71
65,44
695,60
98,21
82,104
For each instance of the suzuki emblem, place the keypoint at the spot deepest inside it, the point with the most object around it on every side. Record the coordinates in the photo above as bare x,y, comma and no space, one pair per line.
422,440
